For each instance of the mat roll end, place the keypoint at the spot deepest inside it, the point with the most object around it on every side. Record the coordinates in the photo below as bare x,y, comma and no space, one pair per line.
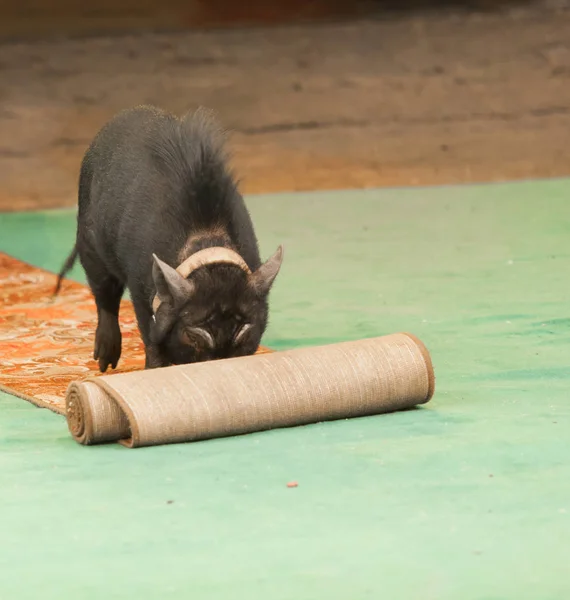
75,413
429,365
92,417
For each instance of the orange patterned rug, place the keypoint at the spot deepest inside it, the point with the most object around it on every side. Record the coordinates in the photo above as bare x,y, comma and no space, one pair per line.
46,343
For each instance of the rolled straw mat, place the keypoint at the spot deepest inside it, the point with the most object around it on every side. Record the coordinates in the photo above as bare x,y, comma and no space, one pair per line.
186,403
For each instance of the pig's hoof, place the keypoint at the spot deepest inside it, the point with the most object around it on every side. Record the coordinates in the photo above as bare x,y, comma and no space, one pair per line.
107,346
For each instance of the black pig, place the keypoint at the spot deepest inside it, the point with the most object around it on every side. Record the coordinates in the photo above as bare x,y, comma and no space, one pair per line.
160,214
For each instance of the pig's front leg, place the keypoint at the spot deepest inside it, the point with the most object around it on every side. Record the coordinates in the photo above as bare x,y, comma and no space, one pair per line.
107,291
154,357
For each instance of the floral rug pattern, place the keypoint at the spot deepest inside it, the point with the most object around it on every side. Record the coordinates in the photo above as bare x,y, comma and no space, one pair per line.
46,342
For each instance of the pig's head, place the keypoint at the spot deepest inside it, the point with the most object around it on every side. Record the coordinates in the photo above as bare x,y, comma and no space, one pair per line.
219,311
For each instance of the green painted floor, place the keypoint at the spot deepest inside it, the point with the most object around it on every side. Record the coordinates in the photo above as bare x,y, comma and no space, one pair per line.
468,498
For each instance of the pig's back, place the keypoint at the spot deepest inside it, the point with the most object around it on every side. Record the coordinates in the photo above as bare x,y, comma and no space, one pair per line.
152,180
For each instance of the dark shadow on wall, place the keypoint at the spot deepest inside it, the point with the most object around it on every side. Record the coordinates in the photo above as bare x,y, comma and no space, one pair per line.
68,17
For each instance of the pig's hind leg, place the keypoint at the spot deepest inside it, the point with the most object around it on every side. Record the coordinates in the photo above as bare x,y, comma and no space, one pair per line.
108,291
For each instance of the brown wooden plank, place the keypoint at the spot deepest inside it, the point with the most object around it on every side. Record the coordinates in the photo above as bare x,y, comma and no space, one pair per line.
400,102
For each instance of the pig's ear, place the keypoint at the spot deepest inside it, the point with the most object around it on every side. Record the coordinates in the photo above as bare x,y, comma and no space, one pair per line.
263,278
171,287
